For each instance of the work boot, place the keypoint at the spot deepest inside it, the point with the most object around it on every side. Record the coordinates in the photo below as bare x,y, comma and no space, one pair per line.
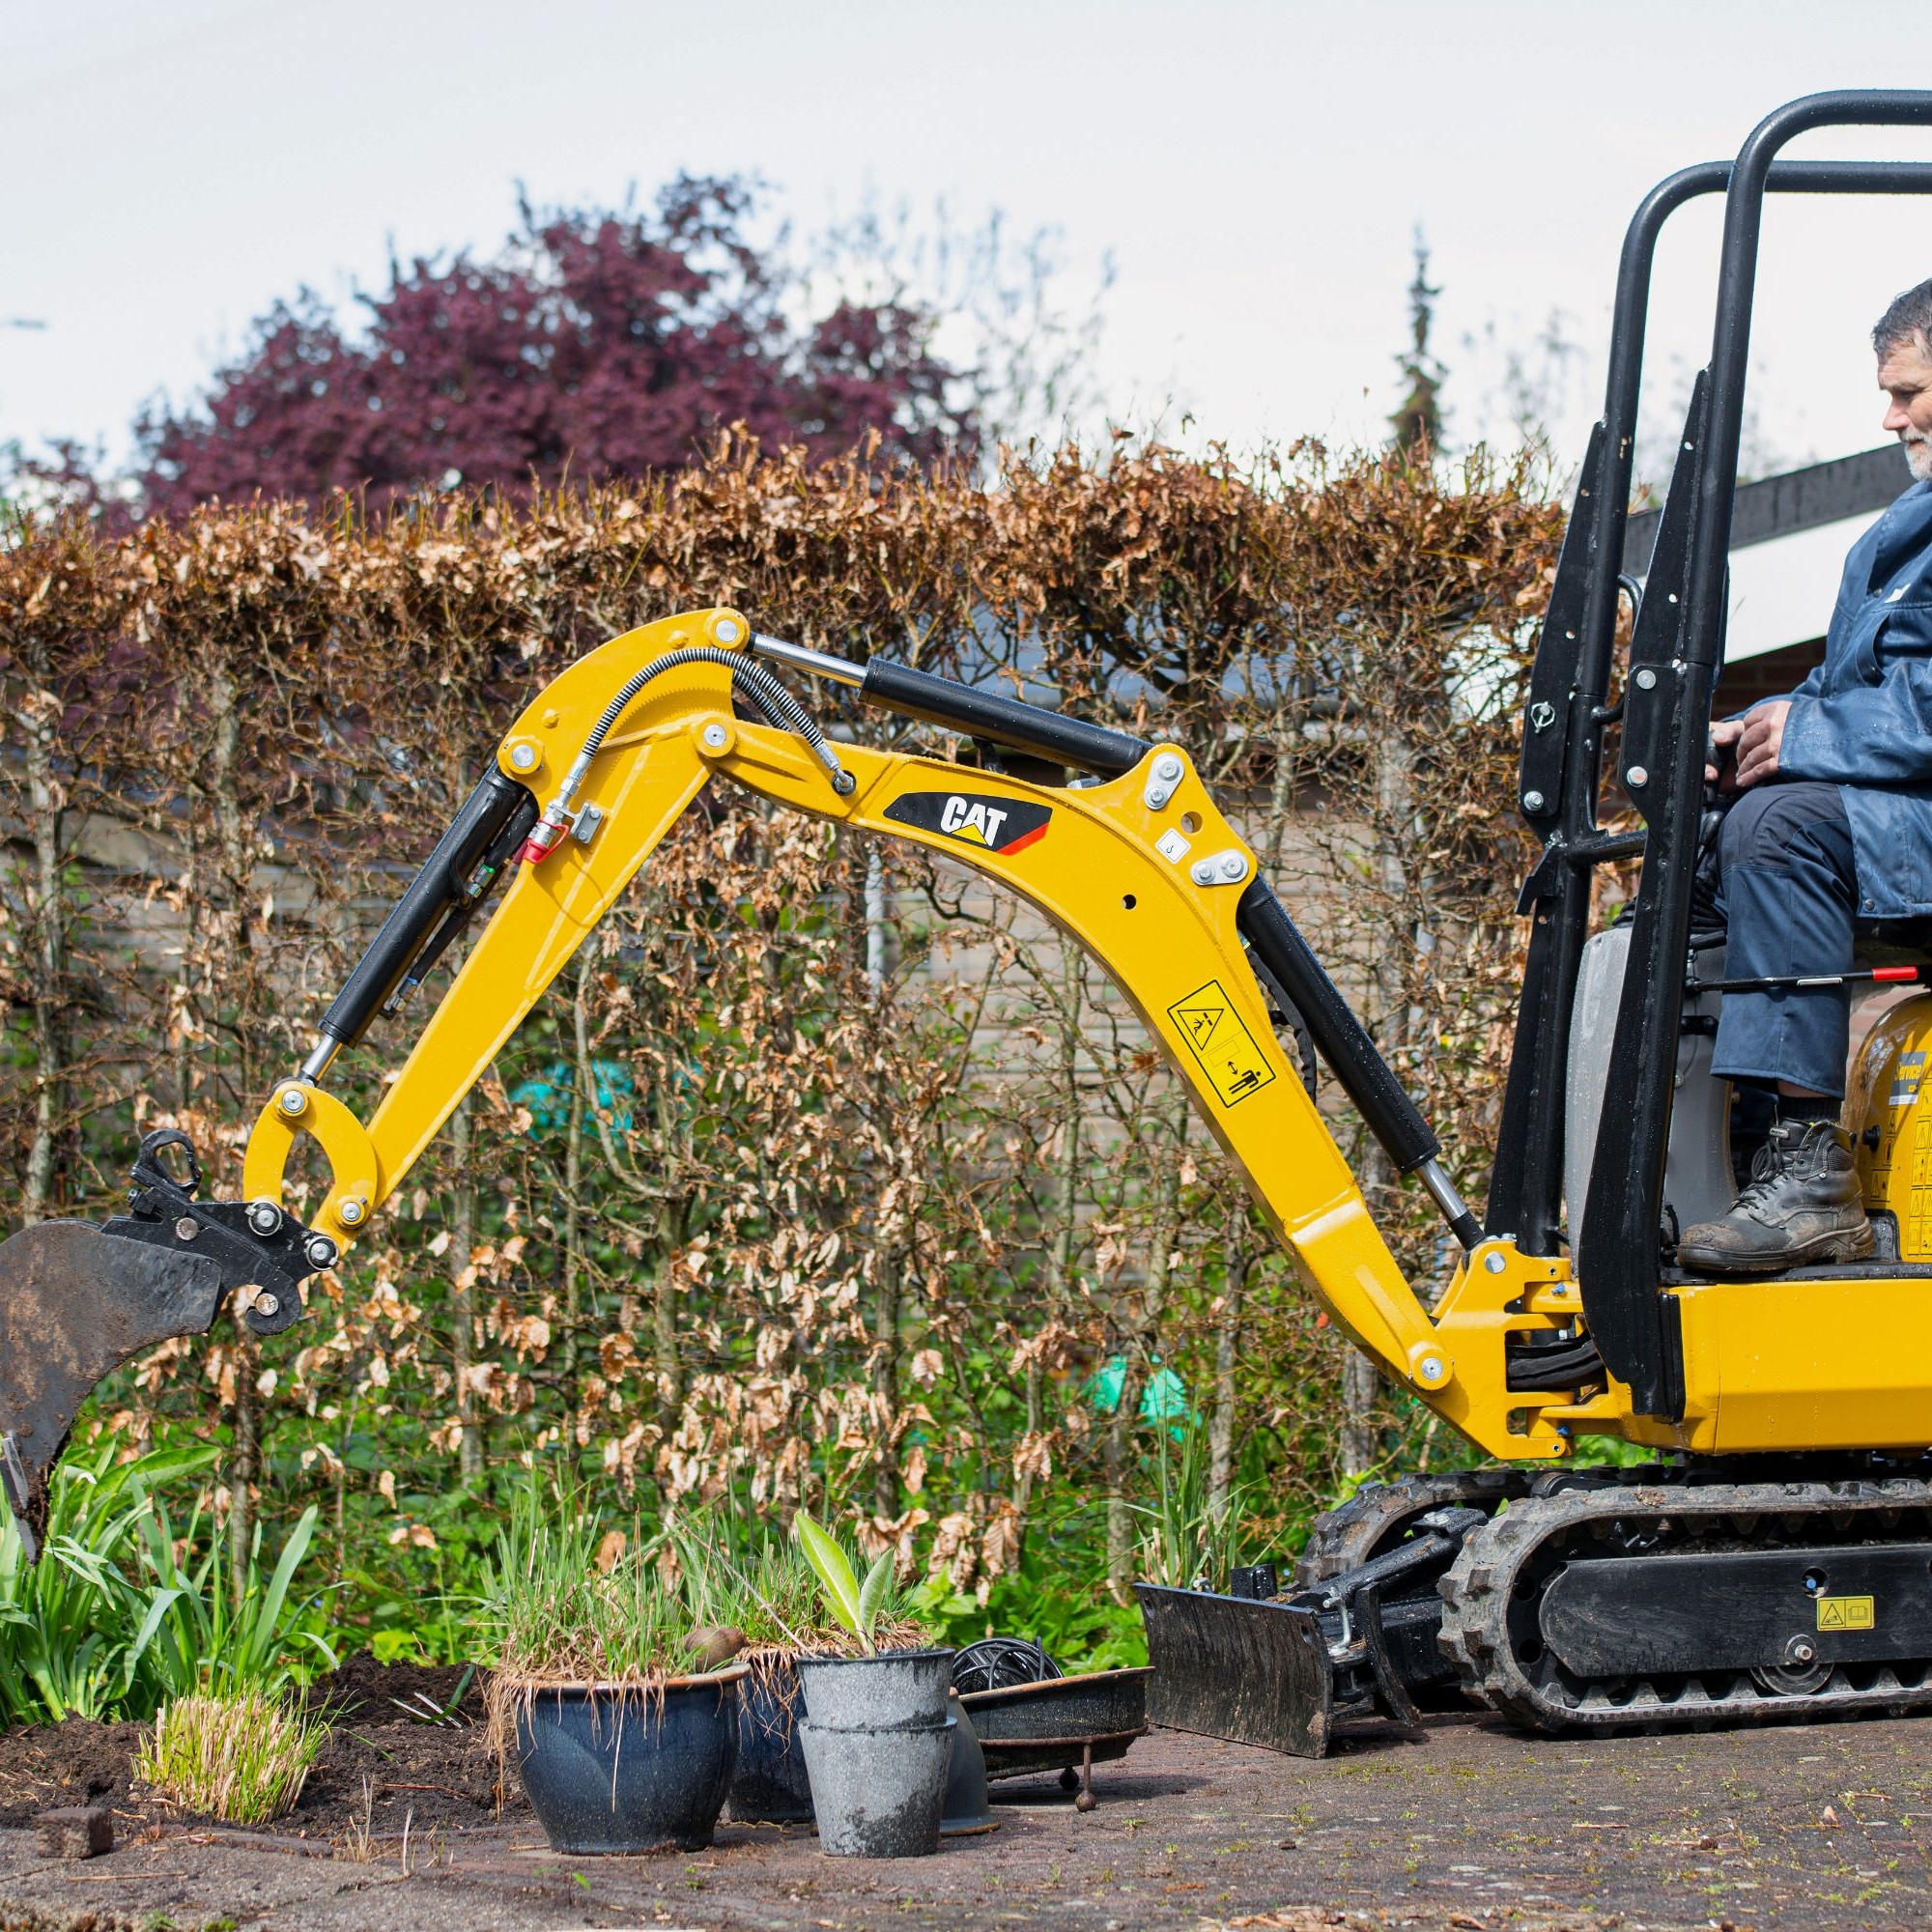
1800,1206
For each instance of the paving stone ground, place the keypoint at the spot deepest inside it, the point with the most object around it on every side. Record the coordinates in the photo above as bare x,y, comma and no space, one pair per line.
1462,1825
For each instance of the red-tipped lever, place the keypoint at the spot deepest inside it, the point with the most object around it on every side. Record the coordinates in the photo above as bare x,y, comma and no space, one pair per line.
1780,982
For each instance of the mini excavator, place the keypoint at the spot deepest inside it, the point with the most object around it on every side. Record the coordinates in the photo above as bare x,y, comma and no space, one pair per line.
1774,1558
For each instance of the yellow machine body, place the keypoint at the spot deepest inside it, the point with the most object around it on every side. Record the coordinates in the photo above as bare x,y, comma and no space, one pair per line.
1891,1127
1767,1365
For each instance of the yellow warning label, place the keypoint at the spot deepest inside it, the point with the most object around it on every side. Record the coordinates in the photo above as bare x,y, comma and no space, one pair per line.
1847,1613
1236,1066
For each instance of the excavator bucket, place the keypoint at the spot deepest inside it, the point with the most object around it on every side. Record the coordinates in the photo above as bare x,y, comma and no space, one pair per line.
77,1301
75,1305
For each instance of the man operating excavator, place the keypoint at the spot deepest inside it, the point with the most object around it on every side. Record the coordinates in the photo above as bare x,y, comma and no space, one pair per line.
1830,832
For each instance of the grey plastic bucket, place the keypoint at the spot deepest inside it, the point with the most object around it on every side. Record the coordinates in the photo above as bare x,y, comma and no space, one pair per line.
879,1794
898,1689
878,1749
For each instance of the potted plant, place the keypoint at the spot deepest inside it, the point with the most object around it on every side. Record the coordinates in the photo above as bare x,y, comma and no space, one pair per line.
763,1610
877,1737
621,1745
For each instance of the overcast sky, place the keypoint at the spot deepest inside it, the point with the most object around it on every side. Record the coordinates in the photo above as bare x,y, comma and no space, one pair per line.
1254,170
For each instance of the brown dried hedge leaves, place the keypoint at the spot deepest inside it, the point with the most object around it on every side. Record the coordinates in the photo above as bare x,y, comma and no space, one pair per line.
826,1169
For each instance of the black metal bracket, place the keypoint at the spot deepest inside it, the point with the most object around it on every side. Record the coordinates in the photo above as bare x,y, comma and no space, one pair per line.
254,1244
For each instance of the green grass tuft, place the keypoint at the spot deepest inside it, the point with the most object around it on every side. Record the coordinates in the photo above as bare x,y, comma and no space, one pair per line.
240,1756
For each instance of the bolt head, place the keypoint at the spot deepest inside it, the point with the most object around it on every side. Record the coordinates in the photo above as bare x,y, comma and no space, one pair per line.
1637,776
352,1211
321,1251
725,631
187,1229
1646,679
264,1216
1495,1263
1532,801
1432,1368
267,1304
1233,866
292,1101
1167,767
715,736
1802,1652
1204,872
524,758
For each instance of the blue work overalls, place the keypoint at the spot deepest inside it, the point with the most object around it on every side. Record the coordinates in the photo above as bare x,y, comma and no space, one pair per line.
1842,838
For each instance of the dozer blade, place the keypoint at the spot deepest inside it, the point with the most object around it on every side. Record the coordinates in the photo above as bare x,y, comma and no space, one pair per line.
1284,1671
1256,1673
75,1305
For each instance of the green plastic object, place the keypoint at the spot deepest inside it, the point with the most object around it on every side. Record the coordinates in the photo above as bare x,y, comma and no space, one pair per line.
1163,1400
547,1096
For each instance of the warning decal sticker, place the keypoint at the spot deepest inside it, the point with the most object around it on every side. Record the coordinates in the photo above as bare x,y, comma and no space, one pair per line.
1006,825
1236,1066
1847,1613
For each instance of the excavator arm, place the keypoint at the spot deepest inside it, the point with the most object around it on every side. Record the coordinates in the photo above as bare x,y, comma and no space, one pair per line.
1136,861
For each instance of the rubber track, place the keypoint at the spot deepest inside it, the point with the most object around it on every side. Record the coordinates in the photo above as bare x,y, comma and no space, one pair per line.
1476,1599
1375,1516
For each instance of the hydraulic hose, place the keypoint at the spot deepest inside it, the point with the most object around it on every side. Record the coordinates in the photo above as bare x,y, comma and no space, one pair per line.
764,690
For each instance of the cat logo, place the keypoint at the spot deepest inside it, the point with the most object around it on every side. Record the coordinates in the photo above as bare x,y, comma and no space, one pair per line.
1003,825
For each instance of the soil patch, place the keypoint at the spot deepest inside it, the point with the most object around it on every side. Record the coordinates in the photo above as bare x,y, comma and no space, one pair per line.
372,1692
379,1772
75,1763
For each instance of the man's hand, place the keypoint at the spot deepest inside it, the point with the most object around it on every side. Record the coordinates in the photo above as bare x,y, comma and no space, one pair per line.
1725,734
1759,742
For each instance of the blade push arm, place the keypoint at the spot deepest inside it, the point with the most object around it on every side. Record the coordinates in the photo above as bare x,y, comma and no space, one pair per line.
1141,867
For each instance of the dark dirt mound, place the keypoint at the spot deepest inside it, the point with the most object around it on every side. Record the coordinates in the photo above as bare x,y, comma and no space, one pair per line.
374,1775
363,1689
73,1763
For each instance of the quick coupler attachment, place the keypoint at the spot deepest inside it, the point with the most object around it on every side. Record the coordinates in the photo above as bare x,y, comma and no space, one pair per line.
1283,1670
77,1301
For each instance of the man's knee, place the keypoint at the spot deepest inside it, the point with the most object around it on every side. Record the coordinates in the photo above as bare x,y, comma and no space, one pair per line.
1761,828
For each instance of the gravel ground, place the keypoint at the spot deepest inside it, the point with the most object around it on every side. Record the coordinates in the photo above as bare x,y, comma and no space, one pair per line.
1461,1824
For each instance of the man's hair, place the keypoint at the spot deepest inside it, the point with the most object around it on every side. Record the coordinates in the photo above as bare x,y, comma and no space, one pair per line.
1909,319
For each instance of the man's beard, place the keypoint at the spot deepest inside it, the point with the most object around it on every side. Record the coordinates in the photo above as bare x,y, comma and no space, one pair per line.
1917,453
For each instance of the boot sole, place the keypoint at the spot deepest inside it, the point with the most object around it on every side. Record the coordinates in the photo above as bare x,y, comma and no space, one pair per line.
1847,1245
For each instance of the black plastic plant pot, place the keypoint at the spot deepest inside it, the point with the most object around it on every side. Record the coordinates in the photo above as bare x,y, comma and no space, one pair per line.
769,1785
618,1768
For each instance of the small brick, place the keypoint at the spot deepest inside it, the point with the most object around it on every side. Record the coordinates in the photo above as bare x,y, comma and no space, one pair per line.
75,1831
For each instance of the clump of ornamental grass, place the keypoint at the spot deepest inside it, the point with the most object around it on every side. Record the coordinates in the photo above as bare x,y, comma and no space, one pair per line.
568,1603
235,1755
771,1594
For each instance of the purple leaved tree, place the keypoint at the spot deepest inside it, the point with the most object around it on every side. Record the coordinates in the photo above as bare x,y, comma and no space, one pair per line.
594,344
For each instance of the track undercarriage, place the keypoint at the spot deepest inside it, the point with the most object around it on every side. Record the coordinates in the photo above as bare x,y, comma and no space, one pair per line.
1682,1599
1576,1601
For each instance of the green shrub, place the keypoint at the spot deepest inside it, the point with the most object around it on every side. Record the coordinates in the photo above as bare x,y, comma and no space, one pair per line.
123,1613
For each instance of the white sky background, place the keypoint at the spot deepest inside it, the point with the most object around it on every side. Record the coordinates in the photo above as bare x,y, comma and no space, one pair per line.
1255,170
